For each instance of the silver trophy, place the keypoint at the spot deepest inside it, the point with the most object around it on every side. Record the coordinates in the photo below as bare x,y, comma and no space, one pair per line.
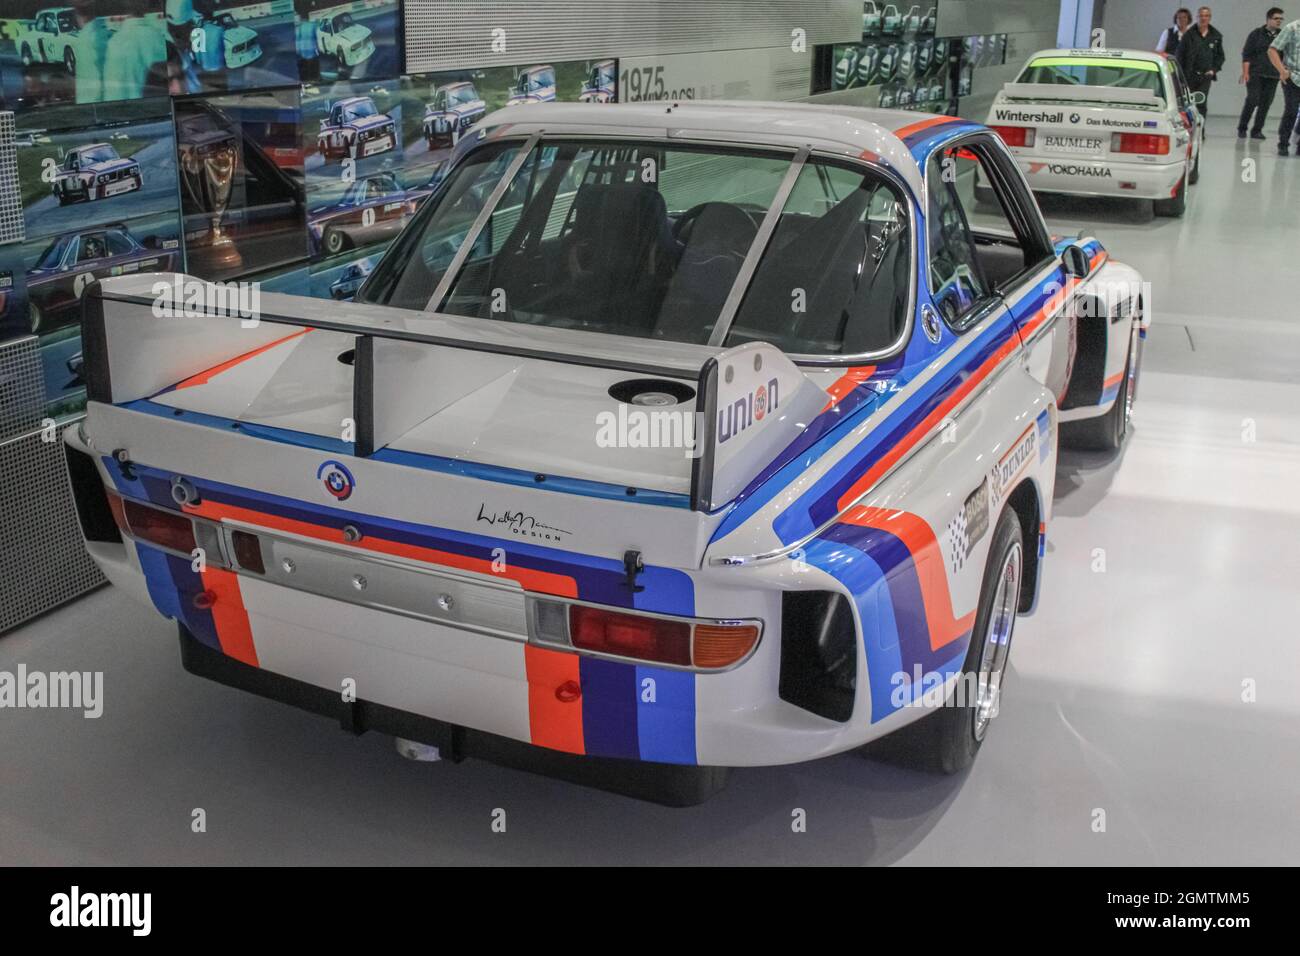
209,163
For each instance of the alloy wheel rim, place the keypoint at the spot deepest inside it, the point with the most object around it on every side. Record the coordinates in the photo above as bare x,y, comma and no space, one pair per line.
997,641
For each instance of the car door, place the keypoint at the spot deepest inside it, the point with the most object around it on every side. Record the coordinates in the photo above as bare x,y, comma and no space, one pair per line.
1011,256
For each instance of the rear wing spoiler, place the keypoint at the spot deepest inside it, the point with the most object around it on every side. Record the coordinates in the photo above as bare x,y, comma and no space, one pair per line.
1122,95
143,334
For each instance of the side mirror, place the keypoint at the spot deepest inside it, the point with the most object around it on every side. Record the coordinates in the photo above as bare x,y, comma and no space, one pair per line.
1076,262
1198,98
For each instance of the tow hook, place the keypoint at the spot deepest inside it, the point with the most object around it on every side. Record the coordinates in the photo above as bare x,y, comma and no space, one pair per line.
632,566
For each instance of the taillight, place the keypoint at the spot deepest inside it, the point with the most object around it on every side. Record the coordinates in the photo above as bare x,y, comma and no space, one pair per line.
630,635
1016,135
718,645
163,528
711,645
248,551
1151,144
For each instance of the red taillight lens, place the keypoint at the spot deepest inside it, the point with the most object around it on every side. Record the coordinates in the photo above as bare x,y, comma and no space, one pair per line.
629,635
1150,144
163,528
1016,135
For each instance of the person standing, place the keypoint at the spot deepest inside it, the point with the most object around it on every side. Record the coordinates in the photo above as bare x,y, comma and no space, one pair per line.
1258,74
1169,39
1201,56
1284,54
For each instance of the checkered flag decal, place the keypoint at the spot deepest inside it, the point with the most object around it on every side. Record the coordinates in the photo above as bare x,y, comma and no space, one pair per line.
958,540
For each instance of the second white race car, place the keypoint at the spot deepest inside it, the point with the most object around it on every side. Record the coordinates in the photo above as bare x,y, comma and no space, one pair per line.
1101,122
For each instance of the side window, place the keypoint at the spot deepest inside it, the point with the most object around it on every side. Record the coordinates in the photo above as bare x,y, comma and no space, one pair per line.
956,279
975,249
118,244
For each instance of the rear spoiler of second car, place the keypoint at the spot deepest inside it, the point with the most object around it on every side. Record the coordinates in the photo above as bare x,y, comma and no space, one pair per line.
144,333
1110,95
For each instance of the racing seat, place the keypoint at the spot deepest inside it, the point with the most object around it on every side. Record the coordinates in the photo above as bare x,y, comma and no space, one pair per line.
719,236
612,261
822,258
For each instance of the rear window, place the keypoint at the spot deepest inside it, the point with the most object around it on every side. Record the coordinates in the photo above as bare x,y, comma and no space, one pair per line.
1100,71
649,239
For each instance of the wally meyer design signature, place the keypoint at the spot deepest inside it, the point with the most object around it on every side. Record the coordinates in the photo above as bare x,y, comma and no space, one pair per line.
522,524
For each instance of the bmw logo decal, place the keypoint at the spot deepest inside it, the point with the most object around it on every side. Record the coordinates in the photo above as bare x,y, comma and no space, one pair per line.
1075,117
336,478
930,323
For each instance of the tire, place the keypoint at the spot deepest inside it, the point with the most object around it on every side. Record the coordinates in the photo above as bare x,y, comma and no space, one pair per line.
1107,432
1177,205
1195,176
334,241
70,61
26,55
947,739
37,319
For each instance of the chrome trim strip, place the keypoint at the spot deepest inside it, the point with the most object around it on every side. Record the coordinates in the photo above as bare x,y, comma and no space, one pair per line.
453,270
756,249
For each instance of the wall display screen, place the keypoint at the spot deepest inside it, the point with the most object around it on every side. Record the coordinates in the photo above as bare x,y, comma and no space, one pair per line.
241,182
98,188
348,41
353,152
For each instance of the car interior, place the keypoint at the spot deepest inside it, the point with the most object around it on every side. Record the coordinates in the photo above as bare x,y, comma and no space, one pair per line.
582,241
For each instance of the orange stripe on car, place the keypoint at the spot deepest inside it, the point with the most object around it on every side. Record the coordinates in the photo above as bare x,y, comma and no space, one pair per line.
846,383
931,572
229,615
204,377
554,699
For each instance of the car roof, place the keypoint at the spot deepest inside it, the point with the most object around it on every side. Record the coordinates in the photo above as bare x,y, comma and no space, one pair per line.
847,130
350,99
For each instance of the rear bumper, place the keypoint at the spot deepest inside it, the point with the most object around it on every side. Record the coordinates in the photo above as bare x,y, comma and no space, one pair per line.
670,784
1084,177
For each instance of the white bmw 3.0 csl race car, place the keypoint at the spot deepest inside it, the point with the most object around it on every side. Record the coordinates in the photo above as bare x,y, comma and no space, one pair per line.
1102,122
664,439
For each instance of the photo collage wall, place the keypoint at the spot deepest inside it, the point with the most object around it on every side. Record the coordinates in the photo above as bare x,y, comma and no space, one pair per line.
914,69
284,131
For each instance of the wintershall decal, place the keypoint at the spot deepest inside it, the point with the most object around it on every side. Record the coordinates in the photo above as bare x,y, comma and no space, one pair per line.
1020,116
130,910
743,412
35,689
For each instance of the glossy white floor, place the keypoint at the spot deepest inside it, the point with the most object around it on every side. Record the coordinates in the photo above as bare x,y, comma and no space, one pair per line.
1125,693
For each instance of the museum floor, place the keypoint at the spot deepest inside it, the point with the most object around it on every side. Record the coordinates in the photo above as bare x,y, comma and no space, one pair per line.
1125,692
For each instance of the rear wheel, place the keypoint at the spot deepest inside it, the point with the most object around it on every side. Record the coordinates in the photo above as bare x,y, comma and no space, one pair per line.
70,61
1195,176
947,739
1175,206
26,55
335,241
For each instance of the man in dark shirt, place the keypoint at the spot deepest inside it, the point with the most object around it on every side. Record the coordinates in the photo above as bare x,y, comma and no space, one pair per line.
1201,56
1258,74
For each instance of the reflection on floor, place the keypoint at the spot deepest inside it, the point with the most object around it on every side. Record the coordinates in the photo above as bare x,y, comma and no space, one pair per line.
1125,694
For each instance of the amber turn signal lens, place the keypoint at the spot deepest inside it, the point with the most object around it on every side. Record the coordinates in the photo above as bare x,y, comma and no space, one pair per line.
720,645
